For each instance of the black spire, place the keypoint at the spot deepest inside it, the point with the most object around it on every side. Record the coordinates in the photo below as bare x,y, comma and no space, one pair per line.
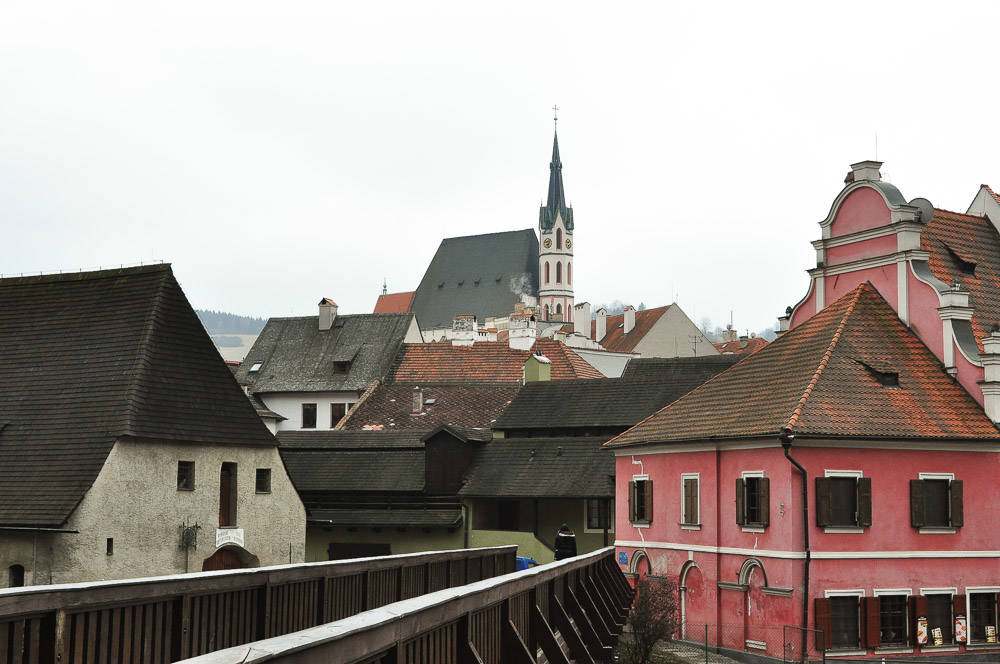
556,203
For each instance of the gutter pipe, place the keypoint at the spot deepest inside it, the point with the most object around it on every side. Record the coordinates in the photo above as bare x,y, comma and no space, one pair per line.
786,439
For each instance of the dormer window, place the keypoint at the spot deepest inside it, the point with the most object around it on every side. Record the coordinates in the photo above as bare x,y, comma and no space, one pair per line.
341,367
886,378
255,367
966,267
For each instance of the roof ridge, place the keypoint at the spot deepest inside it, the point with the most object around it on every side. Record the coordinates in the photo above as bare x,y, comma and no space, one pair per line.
364,397
141,363
825,360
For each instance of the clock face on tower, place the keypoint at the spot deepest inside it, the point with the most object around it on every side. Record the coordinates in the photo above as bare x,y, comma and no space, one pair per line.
569,243
547,242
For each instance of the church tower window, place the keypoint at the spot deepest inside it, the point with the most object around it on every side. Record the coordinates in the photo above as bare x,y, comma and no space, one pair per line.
558,272
569,273
558,310
558,238
546,272
546,309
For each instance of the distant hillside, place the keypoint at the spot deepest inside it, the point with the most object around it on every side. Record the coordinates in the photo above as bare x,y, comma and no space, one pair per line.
220,322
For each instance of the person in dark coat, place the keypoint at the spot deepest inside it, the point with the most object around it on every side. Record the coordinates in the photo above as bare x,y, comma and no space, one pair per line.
565,543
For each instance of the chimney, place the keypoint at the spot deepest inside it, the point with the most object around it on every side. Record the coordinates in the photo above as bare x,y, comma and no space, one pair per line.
522,331
418,400
537,368
629,318
729,334
327,313
866,170
581,319
601,326
463,330
991,374
784,322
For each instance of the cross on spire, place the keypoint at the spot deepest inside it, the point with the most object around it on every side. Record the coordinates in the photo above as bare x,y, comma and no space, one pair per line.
555,114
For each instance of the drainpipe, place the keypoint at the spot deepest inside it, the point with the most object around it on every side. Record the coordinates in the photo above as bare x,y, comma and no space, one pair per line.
786,439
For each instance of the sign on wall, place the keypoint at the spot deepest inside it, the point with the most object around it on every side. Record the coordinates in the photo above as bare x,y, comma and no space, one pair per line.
623,557
228,536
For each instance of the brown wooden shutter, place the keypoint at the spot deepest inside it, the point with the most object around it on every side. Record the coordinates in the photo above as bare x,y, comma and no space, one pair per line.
958,606
765,501
917,503
824,506
871,610
957,504
631,501
864,502
740,506
918,607
823,636
648,496
690,501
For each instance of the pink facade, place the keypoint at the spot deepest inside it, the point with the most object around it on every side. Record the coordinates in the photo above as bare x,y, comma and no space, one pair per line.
749,580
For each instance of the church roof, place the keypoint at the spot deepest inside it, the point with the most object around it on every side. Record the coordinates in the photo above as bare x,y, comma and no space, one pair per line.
556,203
482,275
394,303
91,357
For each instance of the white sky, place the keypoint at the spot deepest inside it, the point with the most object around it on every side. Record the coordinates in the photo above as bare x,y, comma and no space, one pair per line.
277,153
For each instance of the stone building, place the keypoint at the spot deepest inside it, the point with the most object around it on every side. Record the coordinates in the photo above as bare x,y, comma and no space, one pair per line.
127,447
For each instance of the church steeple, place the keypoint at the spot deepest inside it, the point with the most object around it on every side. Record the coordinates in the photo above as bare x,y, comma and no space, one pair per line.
556,204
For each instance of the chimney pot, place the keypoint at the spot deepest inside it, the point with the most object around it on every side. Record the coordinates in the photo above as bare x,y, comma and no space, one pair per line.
327,313
600,324
581,318
629,318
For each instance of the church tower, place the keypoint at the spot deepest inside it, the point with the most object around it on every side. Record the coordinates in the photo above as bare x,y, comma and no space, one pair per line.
555,250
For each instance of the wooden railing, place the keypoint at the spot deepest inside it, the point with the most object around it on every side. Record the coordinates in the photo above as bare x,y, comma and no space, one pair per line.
165,619
571,610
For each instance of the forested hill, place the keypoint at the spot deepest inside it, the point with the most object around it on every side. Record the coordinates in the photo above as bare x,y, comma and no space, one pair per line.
221,322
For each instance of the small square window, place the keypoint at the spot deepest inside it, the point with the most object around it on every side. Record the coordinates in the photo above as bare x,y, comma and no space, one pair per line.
983,621
255,367
185,475
263,480
308,416
337,411
893,621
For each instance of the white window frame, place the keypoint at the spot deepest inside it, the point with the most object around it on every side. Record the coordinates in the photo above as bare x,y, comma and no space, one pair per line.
950,647
844,530
859,593
745,474
611,517
878,592
976,590
690,526
937,530
639,478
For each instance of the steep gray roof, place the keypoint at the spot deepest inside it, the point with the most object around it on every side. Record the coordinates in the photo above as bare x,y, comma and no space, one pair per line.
483,275
571,467
296,356
91,357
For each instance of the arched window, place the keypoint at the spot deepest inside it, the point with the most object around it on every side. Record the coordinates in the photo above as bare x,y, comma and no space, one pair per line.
546,274
545,309
16,576
558,310
558,238
558,272
569,273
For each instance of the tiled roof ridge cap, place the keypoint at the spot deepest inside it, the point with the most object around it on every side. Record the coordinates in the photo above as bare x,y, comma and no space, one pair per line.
350,413
84,275
462,237
141,363
963,214
794,419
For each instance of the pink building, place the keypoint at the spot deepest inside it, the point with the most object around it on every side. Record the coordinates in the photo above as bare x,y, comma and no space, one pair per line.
837,479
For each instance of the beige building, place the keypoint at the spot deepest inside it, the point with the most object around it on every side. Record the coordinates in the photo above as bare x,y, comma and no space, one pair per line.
129,449
660,332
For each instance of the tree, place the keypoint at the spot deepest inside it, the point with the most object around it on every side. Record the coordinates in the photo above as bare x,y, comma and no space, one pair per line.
654,617
641,307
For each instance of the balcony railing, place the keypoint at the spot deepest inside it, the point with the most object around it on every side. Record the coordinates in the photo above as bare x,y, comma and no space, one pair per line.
165,619
571,610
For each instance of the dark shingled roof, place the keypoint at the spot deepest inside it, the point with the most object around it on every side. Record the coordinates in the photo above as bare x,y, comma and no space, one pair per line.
689,371
606,402
390,469
825,378
467,406
347,440
296,356
388,516
483,275
92,357
572,467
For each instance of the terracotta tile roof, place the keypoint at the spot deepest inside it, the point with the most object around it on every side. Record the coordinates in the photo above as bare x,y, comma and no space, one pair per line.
394,303
823,379
958,242
615,338
466,406
486,362
741,347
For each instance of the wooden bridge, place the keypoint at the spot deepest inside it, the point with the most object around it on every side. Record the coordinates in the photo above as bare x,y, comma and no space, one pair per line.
463,607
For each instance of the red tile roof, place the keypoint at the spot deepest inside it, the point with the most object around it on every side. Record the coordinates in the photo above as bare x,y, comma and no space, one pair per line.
615,338
957,240
822,379
394,303
468,406
741,347
486,362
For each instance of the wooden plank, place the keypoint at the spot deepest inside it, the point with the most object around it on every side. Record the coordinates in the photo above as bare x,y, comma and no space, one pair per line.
35,644
17,644
116,634
4,645
547,640
513,648
103,645
127,616
147,637
157,649
79,637
91,636
574,641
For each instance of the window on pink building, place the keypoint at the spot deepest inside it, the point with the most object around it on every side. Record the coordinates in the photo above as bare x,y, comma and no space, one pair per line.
640,501
843,501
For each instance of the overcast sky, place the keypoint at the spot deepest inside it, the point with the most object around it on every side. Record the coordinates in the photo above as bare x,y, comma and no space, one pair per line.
280,152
